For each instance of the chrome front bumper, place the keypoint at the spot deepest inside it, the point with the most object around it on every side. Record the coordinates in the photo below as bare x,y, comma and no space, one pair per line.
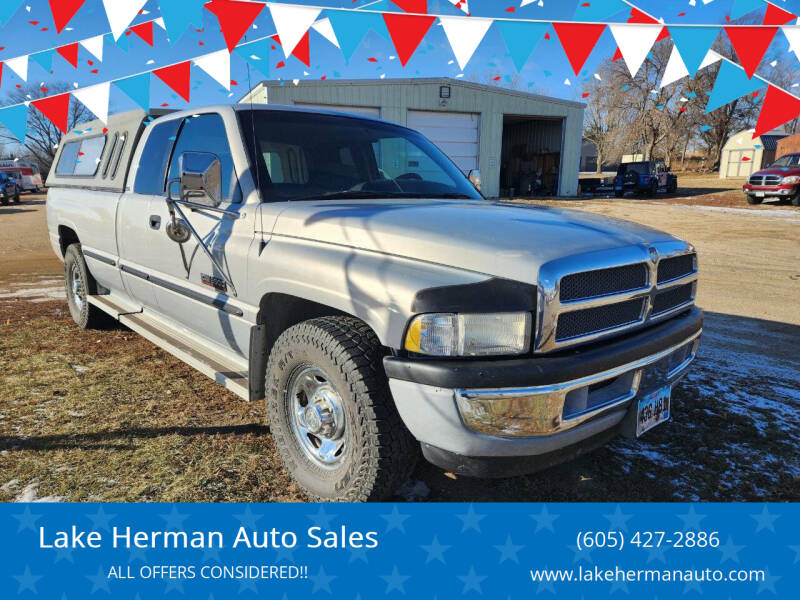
552,409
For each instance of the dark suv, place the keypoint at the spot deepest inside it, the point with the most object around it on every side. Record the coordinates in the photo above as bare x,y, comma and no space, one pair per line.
779,180
644,177
8,188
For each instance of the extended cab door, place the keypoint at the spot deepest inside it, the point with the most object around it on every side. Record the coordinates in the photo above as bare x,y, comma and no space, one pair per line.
202,293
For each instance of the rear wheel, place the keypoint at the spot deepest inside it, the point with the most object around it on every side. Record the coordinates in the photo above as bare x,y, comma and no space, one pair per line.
751,199
796,199
16,197
331,413
79,285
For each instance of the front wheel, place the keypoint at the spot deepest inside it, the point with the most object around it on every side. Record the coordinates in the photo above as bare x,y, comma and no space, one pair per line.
4,200
331,414
751,199
16,197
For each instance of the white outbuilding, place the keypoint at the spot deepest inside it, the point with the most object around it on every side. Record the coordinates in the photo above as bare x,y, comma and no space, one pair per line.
743,154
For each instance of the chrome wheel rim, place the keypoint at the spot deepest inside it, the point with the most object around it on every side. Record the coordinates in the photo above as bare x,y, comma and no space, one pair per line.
75,287
317,417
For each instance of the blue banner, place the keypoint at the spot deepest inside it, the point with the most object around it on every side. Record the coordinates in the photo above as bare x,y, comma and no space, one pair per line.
404,550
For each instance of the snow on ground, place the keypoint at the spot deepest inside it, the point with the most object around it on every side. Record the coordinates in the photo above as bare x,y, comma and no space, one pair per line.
41,289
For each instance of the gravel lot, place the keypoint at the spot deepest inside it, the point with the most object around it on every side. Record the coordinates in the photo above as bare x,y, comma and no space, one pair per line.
104,415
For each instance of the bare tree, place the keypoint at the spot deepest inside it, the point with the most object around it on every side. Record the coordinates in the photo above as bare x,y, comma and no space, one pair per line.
43,137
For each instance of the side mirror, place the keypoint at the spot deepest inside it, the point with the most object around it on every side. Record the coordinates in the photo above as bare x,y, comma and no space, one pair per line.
201,178
475,178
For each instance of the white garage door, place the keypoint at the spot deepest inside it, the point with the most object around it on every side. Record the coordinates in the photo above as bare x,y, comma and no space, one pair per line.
456,134
364,111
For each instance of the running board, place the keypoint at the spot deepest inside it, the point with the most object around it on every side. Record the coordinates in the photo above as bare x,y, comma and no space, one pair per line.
194,355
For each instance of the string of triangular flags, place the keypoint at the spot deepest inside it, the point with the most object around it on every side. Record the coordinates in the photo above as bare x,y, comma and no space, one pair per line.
346,28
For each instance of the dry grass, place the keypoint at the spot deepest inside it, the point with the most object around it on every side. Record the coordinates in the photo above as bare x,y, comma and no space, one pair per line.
106,416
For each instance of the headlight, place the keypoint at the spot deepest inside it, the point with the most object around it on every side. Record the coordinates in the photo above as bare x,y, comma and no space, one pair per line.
792,179
490,334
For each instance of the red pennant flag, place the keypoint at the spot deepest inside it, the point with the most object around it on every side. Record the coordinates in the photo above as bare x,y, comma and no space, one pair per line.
778,108
413,6
235,18
70,53
750,44
775,15
407,32
56,109
638,16
178,78
302,51
63,11
578,41
617,55
1,74
144,31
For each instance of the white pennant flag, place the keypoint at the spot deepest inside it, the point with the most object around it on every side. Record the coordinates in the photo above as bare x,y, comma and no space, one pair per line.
95,46
793,35
324,28
19,65
464,5
635,41
292,22
218,66
676,69
95,98
121,13
464,35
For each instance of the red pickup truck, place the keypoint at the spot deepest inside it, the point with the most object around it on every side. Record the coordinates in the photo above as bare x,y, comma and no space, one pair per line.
780,180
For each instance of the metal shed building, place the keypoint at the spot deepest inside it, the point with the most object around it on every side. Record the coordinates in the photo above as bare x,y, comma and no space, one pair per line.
743,155
523,144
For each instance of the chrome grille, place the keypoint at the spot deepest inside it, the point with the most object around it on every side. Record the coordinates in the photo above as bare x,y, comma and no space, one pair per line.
676,267
593,284
673,298
765,180
591,320
592,296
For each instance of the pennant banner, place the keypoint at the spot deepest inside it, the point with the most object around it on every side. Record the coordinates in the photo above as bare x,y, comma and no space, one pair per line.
178,15
750,44
778,108
676,69
578,41
257,54
218,66
63,11
521,39
634,41
95,98
464,35
15,119
94,46
292,23
56,109
137,88
178,78
8,8
732,83
235,18
693,44
121,13
407,32
351,27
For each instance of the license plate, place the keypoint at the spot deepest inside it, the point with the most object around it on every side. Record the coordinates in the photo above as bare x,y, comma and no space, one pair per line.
760,194
653,410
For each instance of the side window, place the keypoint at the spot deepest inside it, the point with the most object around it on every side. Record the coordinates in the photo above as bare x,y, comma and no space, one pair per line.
206,133
68,159
110,155
153,163
81,157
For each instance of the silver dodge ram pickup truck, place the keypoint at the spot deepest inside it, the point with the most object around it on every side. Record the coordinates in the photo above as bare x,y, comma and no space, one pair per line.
345,271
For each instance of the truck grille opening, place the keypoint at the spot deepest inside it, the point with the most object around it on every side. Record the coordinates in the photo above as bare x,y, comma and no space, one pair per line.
603,282
675,267
678,296
765,180
579,323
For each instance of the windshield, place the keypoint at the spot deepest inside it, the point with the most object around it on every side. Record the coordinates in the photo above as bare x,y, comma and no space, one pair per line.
641,168
307,156
790,160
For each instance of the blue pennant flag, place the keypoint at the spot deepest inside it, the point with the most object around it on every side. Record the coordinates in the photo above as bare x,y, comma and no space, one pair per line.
137,88
44,59
731,83
521,39
598,10
257,54
122,42
742,7
179,14
693,43
15,119
351,28
7,10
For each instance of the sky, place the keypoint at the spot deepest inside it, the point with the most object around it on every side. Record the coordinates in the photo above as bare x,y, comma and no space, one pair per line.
31,29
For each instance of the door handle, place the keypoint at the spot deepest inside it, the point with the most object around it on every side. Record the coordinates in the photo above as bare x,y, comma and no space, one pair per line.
155,222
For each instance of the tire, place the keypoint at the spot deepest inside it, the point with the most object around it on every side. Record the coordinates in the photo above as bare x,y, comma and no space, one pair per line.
85,315
4,200
796,199
16,197
653,191
618,194
377,452
753,200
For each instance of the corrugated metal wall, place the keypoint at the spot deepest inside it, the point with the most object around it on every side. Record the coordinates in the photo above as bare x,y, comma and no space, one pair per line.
396,97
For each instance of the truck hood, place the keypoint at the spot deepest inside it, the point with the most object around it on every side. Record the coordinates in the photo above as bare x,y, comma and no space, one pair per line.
503,240
782,171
